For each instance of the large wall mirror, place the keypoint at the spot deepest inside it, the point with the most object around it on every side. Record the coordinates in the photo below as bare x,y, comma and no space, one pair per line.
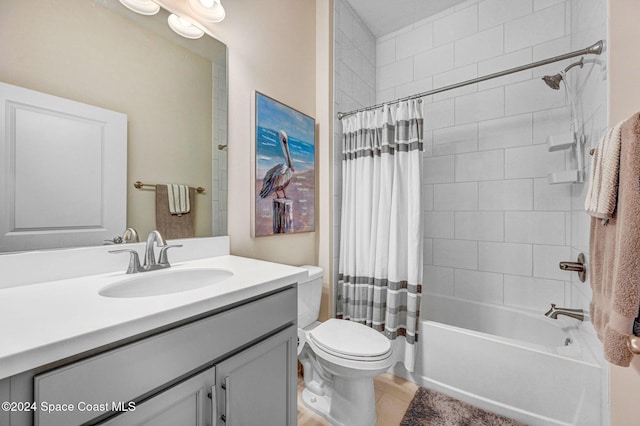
172,89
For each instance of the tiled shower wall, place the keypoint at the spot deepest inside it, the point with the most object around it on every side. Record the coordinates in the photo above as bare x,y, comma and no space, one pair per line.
495,230
354,87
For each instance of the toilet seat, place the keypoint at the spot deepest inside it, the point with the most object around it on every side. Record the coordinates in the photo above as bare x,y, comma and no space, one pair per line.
350,340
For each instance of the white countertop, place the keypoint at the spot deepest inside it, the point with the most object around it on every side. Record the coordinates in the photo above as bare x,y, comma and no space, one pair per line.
46,322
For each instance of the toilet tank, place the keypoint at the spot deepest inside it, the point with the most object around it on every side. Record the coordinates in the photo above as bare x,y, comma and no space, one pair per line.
309,296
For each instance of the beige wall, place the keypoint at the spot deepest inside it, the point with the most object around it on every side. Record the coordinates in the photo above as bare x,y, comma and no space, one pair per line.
624,100
272,49
81,51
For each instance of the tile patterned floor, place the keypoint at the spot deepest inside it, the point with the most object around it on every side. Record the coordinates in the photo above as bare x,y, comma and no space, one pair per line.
393,396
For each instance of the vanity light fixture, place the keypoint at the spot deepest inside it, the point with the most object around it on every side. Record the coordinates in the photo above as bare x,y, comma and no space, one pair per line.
143,7
184,27
208,10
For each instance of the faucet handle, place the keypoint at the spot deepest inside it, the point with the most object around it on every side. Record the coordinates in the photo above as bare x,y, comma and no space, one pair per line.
162,258
134,260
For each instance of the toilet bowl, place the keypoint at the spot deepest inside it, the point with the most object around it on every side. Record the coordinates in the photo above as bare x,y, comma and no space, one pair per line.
340,360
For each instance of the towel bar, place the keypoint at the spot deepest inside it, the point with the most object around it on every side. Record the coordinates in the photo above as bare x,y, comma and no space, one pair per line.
139,185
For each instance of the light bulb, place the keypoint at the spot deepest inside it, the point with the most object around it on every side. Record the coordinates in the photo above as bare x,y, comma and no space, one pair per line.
143,7
208,10
184,27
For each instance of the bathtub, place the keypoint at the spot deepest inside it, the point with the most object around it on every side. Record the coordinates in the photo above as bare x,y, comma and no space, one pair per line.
527,367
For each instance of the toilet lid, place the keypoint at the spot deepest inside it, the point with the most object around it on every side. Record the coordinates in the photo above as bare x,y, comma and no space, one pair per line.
350,339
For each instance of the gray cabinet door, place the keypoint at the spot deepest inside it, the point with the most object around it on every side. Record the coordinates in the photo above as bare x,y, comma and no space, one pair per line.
257,387
186,404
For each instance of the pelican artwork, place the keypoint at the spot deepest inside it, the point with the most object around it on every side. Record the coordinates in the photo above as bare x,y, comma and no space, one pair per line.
278,177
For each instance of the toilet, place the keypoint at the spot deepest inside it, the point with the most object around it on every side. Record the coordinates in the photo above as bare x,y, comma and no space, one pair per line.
340,360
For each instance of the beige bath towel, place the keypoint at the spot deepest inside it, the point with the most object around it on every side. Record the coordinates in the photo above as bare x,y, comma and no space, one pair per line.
173,226
615,255
602,194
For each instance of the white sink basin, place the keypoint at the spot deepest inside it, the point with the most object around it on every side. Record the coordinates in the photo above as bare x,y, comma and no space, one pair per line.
165,282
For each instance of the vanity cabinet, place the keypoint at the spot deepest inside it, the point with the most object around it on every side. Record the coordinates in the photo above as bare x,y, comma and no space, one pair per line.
250,388
233,366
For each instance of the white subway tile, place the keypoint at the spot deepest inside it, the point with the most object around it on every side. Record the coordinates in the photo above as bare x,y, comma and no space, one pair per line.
501,195
476,285
395,74
532,162
439,114
505,132
550,123
546,260
414,87
507,258
531,95
483,45
456,196
382,96
504,62
532,293
439,169
428,197
480,106
438,224
456,139
427,252
580,231
551,197
351,56
452,77
536,28
483,226
437,280
434,61
455,26
455,253
535,227
550,49
496,12
418,40
483,165
542,4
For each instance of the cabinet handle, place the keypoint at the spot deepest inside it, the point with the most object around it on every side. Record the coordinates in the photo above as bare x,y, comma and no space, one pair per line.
214,405
227,399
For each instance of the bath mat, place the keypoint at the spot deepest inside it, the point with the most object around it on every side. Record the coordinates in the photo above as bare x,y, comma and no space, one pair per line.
431,408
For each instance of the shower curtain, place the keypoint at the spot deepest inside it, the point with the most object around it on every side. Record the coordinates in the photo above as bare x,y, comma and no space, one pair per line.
380,265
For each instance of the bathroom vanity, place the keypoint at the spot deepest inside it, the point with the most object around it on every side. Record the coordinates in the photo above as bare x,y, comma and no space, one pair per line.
223,354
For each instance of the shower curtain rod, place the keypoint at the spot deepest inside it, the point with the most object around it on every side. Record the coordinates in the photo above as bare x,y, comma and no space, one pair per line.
594,49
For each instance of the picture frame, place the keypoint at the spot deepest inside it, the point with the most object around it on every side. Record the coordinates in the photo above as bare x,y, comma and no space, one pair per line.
284,175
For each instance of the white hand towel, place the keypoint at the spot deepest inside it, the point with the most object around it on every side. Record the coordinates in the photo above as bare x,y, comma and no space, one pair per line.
178,199
602,194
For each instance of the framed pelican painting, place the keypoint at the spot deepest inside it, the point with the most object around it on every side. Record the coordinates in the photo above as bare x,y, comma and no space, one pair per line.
284,169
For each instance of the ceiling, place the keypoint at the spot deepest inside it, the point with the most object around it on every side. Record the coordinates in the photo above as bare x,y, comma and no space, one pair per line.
385,16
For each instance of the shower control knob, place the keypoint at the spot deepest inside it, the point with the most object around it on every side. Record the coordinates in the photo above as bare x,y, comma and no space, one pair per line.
578,267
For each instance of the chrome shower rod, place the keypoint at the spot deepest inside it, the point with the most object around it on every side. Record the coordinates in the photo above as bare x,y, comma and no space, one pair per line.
594,49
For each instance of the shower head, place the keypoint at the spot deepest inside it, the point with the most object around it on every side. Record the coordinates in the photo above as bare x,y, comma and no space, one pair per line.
553,81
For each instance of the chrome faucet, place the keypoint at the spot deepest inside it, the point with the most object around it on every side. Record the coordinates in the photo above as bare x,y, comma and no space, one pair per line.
150,264
573,313
149,255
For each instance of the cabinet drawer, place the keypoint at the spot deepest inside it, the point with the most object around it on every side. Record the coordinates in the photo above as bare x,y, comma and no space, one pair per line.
125,373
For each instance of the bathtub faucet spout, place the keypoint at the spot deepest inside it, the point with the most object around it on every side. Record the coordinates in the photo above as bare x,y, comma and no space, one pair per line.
573,313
